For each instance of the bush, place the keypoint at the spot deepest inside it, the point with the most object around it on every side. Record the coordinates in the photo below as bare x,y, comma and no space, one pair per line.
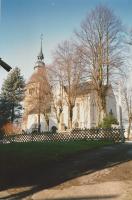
54,129
1,135
10,128
108,121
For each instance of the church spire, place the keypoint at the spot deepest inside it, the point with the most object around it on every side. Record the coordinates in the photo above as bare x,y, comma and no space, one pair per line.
40,55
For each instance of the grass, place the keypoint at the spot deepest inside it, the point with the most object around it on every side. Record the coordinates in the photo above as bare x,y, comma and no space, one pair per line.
38,152
32,163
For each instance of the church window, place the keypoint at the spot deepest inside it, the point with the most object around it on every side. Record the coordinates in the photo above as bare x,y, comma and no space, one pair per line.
31,91
111,112
93,112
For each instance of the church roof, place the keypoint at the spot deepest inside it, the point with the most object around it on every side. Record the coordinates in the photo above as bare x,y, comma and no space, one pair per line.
38,75
40,55
84,88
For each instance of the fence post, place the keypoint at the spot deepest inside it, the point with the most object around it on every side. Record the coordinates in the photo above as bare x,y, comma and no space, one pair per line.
32,137
122,135
13,139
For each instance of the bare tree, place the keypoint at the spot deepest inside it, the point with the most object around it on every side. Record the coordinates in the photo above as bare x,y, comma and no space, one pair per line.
38,99
69,69
127,101
57,92
126,86
99,36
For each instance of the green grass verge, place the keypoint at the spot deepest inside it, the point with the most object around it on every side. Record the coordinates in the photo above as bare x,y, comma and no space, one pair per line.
39,152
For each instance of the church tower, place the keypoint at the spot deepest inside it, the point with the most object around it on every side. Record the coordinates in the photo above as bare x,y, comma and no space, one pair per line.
40,64
37,97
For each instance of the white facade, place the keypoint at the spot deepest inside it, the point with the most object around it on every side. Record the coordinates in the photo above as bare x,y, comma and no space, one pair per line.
32,123
85,113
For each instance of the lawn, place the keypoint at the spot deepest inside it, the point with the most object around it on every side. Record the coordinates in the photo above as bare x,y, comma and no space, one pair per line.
33,154
36,163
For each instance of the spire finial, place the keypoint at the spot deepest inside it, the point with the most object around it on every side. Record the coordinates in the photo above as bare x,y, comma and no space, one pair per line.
41,38
40,55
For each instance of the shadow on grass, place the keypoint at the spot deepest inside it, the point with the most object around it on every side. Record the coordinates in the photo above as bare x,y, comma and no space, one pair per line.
46,175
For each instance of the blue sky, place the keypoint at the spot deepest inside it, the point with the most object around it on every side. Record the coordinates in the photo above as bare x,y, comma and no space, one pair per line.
22,22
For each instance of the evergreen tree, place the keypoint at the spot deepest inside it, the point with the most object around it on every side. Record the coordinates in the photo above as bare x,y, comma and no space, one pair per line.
12,95
5,111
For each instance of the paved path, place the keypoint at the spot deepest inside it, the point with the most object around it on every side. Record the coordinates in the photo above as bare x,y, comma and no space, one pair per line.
100,174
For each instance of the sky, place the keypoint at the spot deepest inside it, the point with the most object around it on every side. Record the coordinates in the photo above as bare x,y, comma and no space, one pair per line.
23,21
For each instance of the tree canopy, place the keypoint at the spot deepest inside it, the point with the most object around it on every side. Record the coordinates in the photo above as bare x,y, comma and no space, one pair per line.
12,94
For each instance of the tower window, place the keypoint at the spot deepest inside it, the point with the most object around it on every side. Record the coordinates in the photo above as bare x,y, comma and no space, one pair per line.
31,91
111,112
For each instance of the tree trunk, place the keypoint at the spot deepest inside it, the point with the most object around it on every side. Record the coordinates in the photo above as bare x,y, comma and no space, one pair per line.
102,107
70,116
59,121
47,121
129,129
12,114
59,125
102,114
39,125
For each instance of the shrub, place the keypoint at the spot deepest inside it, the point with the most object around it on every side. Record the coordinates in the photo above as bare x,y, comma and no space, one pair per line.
108,121
10,128
54,129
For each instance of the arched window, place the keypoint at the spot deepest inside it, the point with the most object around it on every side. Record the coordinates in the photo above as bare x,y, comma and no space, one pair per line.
31,91
93,113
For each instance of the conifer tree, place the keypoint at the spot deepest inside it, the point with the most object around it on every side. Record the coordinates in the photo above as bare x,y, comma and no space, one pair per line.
12,94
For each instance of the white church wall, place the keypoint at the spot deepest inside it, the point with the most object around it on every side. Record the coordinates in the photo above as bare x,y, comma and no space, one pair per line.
93,116
43,123
64,119
86,111
32,123
111,106
111,103
81,113
76,114
52,120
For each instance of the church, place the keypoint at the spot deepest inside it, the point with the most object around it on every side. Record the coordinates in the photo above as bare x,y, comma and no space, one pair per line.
41,110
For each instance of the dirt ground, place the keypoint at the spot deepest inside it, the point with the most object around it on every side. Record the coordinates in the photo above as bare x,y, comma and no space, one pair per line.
101,174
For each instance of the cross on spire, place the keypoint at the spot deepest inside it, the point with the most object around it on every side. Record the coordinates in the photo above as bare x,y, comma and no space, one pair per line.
41,37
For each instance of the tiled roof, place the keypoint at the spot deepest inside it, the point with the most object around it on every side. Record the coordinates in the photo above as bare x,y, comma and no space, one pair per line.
83,88
38,75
